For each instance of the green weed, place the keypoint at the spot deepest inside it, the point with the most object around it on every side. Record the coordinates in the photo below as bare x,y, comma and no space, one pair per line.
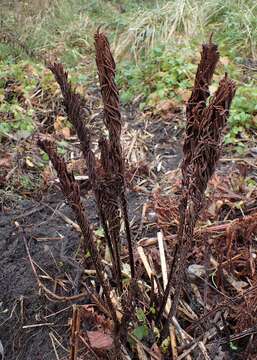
158,77
243,114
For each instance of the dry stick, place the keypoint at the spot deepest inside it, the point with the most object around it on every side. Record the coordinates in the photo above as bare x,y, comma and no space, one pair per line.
74,108
87,344
75,327
194,110
165,282
149,351
201,168
53,339
168,287
206,263
128,233
106,71
173,342
71,191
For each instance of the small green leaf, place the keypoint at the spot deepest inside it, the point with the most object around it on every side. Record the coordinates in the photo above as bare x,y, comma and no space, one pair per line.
26,182
99,232
251,183
140,332
240,149
152,310
140,315
165,344
233,346
45,157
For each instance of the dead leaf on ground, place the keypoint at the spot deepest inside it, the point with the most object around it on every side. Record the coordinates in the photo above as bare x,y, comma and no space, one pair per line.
184,93
167,108
99,340
6,161
156,350
61,128
66,132
77,166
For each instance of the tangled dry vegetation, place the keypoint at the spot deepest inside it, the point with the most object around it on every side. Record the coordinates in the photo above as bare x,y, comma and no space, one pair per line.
148,304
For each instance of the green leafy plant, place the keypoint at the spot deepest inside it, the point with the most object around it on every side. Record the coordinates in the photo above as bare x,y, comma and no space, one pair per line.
141,330
21,120
243,114
157,77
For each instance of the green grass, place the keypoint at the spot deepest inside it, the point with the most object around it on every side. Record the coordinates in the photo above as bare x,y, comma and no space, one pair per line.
156,45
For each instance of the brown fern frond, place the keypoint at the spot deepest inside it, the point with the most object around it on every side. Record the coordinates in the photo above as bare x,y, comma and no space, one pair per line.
112,118
71,191
201,154
197,102
73,105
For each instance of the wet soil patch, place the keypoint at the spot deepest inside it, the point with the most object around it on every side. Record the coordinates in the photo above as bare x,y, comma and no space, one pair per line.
29,322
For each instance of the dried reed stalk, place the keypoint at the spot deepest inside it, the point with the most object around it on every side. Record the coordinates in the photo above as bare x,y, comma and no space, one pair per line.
112,117
75,328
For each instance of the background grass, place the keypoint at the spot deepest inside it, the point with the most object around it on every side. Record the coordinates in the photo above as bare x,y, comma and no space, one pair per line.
156,45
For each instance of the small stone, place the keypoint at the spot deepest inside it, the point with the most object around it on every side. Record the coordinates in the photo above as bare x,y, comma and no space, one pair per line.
195,271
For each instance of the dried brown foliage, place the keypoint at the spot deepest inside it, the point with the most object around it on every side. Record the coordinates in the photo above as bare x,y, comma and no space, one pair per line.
197,102
166,210
200,170
108,184
244,313
244,228
201,153
103,195
110,95
113,163
71,191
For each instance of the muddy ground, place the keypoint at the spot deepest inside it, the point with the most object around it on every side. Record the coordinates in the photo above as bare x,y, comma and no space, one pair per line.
31,325
22,304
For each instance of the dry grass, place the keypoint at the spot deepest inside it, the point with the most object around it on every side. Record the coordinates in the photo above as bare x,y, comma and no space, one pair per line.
136,27
191,19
